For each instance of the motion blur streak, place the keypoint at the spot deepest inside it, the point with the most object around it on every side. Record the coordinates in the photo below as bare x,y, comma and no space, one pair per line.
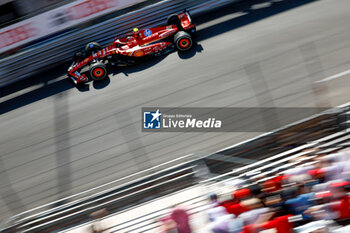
214,75
63,156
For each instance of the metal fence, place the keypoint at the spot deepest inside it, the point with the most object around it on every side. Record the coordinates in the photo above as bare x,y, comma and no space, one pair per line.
59,50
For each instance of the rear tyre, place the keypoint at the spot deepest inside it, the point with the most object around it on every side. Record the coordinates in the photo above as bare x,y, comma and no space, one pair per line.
173,20
98,71
92,47
183,41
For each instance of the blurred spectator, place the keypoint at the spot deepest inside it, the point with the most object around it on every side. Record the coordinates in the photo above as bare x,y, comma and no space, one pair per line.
341,199
276,203
274,184
182,219
234,205
293,198
220,220
241,194
303,199
236,208
280,225
97,226
168,225
256,212
323,210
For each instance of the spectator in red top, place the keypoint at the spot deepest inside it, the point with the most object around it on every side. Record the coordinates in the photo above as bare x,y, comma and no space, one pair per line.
344,207
236,209
317,173
342,199
280,224
234,206
274,184
241,194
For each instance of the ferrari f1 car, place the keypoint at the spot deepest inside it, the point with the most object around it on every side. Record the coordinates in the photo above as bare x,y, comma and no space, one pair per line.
135,47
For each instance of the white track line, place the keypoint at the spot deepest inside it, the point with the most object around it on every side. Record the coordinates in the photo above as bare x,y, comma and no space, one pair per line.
334,76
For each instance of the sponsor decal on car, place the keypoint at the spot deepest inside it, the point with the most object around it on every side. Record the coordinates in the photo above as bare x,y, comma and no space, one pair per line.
167,33
156,48
147,32
138,53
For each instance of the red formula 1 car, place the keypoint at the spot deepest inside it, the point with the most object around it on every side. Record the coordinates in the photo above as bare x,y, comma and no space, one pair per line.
134,48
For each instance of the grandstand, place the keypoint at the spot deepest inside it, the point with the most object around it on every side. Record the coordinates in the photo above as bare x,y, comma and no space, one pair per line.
136,206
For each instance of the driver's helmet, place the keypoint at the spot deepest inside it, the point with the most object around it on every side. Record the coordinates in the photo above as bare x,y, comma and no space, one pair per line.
136,32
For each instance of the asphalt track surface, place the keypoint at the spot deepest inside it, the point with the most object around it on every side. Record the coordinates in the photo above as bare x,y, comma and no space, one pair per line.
57,140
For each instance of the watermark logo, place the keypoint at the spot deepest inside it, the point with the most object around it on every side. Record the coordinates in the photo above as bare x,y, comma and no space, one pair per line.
152,120
178,120
240,119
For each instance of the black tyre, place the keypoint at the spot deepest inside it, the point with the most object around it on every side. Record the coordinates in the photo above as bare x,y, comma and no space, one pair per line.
173,20
183,41
98,71
92,47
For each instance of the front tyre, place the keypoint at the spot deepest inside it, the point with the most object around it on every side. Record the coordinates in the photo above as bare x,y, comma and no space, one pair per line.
98,71
92,47
183,41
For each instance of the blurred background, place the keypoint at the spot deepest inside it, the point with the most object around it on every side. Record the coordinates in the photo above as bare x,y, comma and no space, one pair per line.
13,10
73,158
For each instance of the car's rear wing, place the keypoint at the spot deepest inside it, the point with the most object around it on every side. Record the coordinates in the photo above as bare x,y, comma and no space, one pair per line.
186,22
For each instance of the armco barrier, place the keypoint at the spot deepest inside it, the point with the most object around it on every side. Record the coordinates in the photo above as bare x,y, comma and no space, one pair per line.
327,128
34,60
